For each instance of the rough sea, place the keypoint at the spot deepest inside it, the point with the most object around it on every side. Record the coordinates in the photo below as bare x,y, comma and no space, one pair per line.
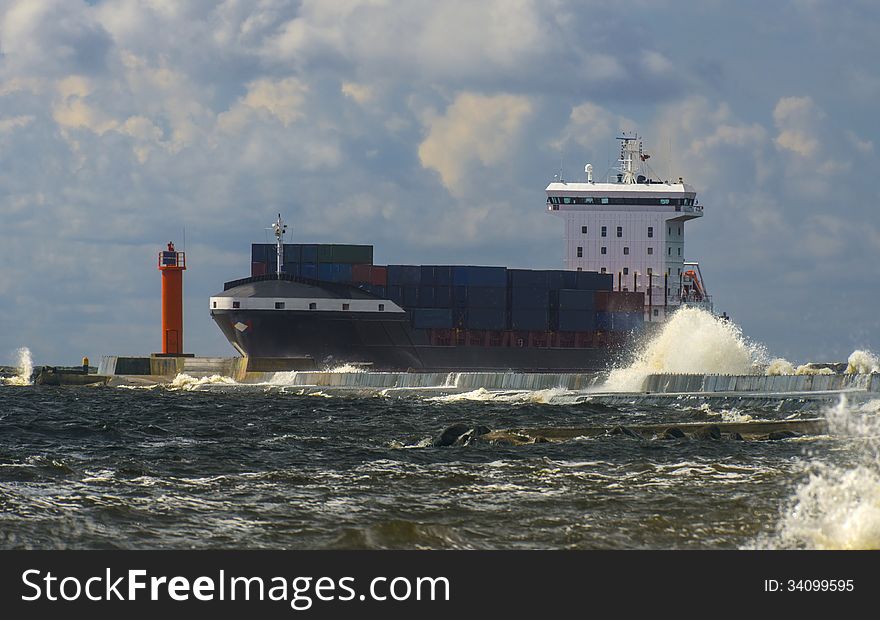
214,464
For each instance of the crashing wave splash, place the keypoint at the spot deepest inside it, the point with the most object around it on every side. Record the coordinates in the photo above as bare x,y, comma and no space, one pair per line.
862,362
838,506
692,341
25,365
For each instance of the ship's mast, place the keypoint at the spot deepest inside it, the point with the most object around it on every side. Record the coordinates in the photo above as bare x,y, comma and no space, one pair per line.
279,228
631,157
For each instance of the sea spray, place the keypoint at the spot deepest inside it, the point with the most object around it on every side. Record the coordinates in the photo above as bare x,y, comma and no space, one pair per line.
25,365
838,506
860,362
692,341
779,366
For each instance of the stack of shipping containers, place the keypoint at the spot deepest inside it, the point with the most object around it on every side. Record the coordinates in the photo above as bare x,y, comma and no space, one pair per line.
478,298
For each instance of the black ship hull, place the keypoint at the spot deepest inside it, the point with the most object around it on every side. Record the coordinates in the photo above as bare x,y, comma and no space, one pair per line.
386,342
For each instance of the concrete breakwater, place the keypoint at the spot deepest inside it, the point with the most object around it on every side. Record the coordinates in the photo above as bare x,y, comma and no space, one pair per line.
682,383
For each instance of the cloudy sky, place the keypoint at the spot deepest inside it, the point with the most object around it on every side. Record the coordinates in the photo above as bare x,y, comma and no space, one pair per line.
429,129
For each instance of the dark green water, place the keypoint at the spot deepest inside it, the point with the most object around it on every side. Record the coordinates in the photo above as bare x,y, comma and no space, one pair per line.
257,467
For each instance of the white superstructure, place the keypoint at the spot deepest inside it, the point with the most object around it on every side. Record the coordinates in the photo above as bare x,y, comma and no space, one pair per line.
632,226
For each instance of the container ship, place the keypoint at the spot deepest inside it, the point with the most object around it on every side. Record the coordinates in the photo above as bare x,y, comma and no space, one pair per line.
324,305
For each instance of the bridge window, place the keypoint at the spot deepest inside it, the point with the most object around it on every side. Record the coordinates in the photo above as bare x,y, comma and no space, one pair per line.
313,306
583,230
650,231
381,307
580,269
580,252
669,251
626,271
604,201
279,305
236,304
650,251
679,251
656,312
626,250
215,304
664,201
604,250
566,200
346,306
650,271
603,270
604,231
620,231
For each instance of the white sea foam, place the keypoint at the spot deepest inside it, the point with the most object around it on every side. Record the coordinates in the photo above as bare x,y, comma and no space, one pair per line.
25,365
692,341
548,396
345,368
838,506
186,382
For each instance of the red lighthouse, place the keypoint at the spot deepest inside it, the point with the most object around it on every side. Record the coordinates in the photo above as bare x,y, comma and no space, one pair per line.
172,264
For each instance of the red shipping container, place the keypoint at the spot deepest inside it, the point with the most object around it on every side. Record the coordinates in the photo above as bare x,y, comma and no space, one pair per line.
361,273
379,275
620,301
258,269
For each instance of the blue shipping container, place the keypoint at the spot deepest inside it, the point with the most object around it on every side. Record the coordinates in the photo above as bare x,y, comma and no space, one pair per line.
529,319
341,272
603,321
310,253
486,318
443,275
570,279
291,269
432,318
426,277
527,278
411,296
479,276
292,253
592,281
427,296
443,296
309,270
404,275
569,299
486,297
459,296
576,321
325,272
529,298
395,294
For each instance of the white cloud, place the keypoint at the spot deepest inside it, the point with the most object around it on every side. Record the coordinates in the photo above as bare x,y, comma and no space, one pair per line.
283,99
796,119
706,144
591,126
474,129
15,122
361,93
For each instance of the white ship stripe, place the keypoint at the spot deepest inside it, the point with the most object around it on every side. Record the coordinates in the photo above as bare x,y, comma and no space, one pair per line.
321,304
